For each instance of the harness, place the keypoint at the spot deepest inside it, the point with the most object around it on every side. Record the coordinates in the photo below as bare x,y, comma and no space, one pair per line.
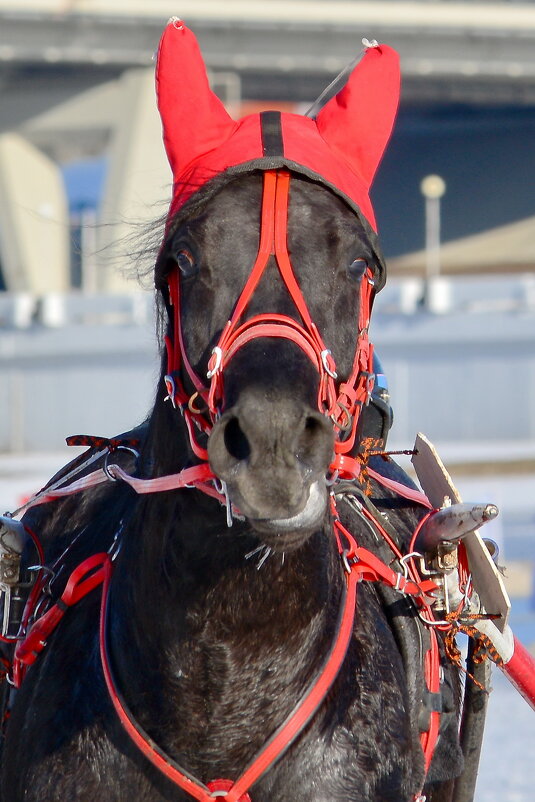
342,403
357,564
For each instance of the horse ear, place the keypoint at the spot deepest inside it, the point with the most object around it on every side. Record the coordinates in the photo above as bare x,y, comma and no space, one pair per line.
358,121
194,119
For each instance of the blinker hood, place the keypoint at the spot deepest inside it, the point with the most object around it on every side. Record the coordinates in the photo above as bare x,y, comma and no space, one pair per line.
341,148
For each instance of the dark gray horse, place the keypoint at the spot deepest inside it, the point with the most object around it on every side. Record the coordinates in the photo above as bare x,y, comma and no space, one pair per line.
232,657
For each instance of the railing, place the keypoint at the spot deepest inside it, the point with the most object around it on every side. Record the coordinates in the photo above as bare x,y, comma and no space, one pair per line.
410,296
56,310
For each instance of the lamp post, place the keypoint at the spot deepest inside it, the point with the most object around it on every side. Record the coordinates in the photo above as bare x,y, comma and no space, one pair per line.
432,188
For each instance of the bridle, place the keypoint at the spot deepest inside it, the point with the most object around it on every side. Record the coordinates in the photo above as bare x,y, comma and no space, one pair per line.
342,403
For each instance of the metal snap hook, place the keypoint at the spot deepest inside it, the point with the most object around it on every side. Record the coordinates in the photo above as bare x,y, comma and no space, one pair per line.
324,354
218,353
107,468
171,389
403,561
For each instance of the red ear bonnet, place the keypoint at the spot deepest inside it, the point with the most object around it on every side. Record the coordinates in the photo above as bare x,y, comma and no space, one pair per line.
341,148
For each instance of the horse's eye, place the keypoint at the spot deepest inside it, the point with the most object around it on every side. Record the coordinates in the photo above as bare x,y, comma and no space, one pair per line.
186,262
357,268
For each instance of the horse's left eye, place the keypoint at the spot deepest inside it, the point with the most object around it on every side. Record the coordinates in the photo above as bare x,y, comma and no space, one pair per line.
357,268
186,263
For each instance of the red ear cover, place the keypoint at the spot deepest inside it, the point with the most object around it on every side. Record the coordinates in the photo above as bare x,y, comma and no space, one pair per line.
194,119
358,121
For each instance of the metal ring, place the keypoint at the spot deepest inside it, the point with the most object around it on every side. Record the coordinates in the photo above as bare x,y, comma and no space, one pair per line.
191,404
348,424
131,449
106,468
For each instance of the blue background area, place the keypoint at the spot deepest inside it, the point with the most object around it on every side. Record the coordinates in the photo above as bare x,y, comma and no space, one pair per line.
84,182
485,155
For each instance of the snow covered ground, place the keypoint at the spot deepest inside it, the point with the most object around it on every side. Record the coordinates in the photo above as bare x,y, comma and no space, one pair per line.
509,747
505,773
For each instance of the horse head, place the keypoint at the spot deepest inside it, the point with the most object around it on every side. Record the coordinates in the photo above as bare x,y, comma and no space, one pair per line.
269,266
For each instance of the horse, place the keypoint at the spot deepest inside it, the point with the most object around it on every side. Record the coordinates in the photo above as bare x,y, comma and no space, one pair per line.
224,617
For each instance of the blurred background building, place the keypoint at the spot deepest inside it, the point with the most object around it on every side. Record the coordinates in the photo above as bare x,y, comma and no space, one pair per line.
84,181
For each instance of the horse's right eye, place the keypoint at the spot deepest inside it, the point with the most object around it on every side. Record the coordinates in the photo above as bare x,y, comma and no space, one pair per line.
186,262
357,268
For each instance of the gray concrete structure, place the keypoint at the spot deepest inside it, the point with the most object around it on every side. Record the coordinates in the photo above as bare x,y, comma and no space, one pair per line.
34,220
62,62
470,51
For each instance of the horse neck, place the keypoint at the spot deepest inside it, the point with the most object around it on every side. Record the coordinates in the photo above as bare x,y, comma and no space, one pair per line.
185,573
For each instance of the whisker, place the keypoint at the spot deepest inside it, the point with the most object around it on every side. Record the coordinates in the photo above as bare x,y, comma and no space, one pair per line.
264,557
254,551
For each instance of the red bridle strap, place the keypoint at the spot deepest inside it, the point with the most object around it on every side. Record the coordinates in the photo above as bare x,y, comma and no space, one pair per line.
359,564
273,243
342,405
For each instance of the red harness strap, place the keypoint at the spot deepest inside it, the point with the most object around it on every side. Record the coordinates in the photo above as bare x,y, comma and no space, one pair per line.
87,576
374,569
278,743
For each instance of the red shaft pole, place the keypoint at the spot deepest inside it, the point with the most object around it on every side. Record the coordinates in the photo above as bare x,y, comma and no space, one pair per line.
520,671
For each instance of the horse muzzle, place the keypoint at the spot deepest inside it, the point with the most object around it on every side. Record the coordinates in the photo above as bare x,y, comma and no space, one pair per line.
273,453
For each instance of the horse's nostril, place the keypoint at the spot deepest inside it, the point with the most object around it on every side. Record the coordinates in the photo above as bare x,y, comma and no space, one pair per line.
314,439
236,441
312,428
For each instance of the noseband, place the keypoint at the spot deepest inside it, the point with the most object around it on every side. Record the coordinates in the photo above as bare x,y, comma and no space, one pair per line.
342,403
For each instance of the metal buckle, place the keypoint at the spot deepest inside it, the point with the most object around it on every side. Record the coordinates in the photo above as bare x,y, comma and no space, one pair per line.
348,566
